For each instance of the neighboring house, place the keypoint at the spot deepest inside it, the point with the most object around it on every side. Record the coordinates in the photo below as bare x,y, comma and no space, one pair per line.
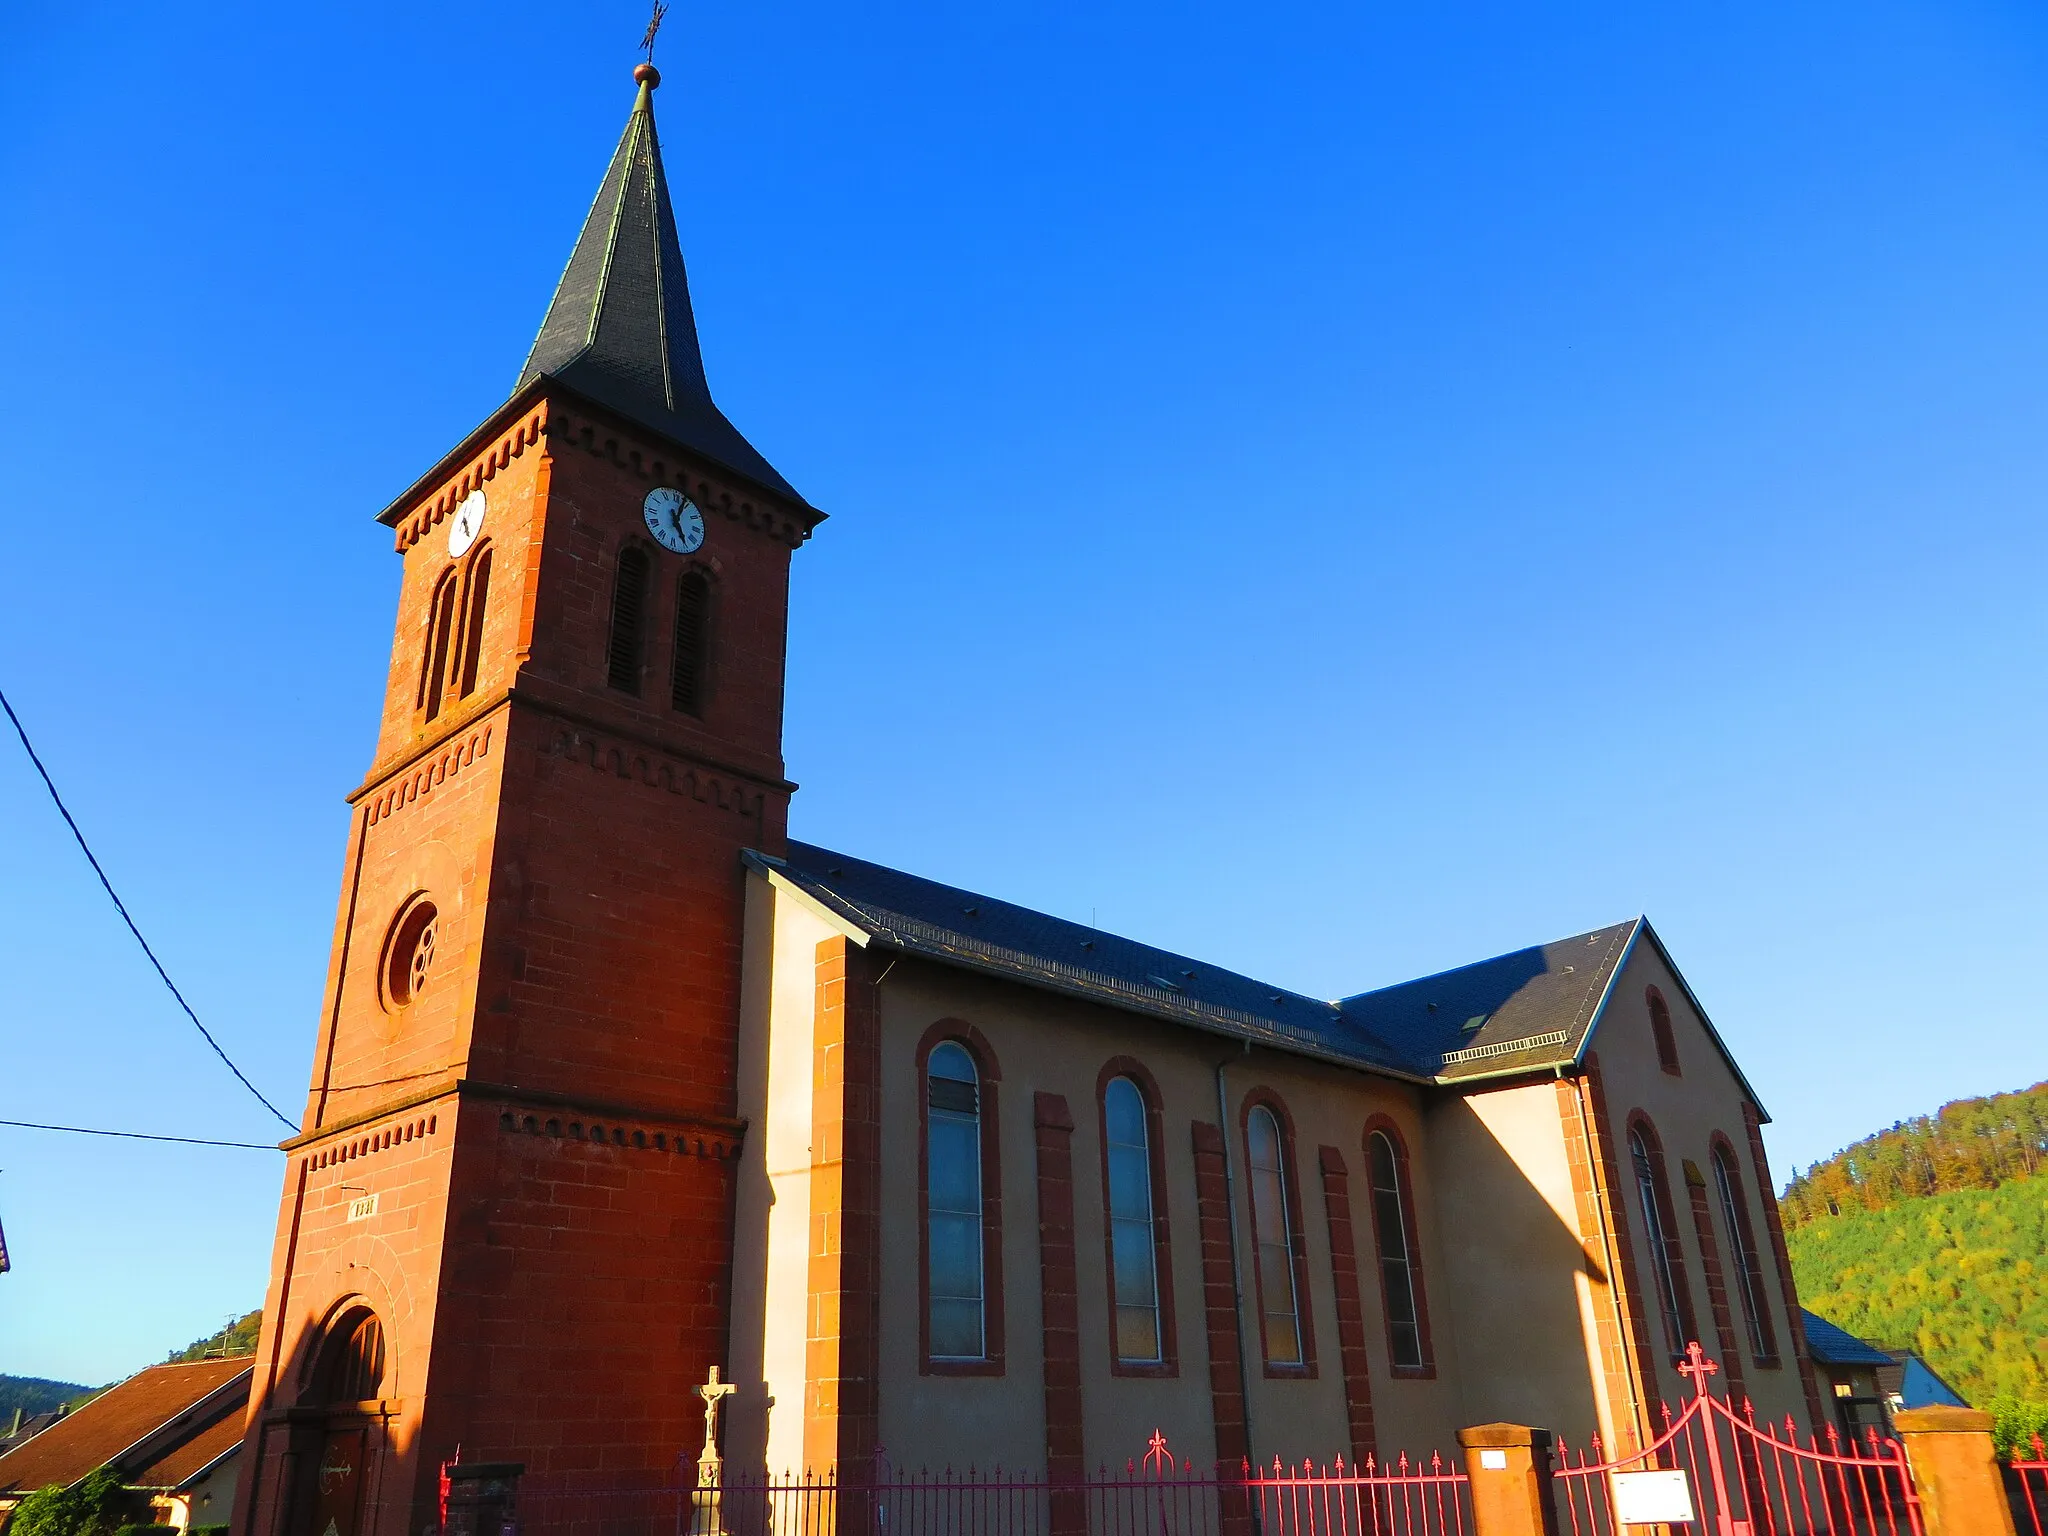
26,1426
1851,1372
1910,1382
171,1432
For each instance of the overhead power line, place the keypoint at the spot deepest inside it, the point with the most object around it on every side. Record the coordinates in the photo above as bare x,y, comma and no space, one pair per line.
86,848
184,1141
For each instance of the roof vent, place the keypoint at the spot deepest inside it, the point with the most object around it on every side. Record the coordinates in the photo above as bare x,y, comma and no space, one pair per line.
972,911
1161,981
1190,975
835,872
1432,1007
1087,943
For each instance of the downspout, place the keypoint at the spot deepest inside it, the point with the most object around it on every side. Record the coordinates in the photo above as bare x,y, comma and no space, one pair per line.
1244,1373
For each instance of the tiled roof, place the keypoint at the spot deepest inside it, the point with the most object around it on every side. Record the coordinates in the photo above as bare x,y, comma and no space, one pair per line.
122,1418
178,1467
1537,1003
1837,1346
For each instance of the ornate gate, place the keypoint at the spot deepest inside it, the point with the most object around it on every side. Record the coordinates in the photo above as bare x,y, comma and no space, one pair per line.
1738,1477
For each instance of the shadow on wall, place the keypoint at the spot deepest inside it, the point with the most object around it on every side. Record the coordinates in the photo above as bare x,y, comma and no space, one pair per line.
1512,1286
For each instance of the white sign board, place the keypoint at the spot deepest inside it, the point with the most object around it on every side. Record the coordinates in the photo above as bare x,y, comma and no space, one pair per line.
1652,1498
362,1208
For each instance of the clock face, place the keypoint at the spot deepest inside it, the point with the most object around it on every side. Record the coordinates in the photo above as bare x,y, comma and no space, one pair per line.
674,520
467,523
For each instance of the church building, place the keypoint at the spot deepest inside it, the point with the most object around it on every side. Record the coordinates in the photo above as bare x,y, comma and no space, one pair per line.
616,1083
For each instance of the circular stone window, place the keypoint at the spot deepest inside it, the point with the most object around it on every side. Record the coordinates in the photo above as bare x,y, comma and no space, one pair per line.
409,952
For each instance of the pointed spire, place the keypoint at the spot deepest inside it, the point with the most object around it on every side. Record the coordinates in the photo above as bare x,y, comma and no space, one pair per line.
620,330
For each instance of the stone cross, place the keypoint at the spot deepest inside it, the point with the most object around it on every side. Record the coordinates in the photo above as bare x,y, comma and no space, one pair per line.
713,1392
707,1518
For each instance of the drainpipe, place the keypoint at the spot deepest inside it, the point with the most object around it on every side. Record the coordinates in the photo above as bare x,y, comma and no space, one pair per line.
1244,1371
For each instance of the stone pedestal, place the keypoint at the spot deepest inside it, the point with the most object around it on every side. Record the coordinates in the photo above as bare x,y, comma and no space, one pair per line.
1509,1465
1955,1471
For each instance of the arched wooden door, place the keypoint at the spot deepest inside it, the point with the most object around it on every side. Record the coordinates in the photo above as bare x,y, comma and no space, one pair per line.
348,1380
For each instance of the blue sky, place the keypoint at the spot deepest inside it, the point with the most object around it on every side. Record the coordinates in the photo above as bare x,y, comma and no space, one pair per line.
1339,490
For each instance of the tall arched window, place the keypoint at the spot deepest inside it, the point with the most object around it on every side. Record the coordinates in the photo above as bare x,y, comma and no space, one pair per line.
1133,1246
627,640
1660,1030
1749,1275
440,626
1273,1236
955,1294
690,663
1393,1225
473,620
1660,1238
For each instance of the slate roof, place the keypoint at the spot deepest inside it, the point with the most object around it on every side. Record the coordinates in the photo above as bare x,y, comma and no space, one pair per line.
1538,1004
1837,1346
1533,1007
620,330
140,1422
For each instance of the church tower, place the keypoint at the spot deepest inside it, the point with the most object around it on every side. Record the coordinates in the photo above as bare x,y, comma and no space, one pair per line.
506,1222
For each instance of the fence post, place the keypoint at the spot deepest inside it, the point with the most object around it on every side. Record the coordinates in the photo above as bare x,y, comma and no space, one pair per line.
1509,1465
1955,1471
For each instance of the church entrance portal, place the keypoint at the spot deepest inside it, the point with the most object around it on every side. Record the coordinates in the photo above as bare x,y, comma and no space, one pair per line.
348,1381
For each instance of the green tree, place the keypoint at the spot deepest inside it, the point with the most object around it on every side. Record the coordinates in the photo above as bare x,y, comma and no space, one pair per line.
92,1506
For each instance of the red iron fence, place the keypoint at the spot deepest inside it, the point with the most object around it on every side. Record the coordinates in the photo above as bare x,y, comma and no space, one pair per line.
1155,1496
2030,1495
1740,1478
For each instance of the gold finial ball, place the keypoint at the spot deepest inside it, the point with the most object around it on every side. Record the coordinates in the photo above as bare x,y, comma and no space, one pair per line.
647,75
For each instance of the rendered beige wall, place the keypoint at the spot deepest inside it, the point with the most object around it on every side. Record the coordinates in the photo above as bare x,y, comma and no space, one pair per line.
1516,1276
1045,1043
771,1258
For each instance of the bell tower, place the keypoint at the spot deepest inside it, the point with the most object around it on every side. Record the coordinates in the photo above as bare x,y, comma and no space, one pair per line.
506,1222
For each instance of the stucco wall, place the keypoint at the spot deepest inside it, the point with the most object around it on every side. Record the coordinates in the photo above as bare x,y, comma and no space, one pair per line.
1045,1043
1515,1276
764,1424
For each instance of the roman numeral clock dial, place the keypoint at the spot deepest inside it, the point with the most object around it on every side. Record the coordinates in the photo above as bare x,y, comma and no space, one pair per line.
674,520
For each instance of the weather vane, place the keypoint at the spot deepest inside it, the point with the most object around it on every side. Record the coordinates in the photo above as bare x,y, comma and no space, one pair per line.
653,26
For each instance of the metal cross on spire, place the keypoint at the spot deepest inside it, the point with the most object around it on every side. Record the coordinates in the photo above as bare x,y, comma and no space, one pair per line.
653,26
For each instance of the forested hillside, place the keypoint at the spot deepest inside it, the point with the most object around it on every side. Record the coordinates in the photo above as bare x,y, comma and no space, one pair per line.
1962,1278
1970,1144
237,1338
33,1394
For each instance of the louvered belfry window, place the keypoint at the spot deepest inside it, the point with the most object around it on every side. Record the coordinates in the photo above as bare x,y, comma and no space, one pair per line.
473,622
440,626
692,642
629,620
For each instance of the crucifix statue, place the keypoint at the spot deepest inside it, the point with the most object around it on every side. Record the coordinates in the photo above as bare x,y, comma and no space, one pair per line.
707,1518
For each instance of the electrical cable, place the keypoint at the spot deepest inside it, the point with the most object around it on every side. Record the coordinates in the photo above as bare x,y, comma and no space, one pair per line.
188,1141
58,800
